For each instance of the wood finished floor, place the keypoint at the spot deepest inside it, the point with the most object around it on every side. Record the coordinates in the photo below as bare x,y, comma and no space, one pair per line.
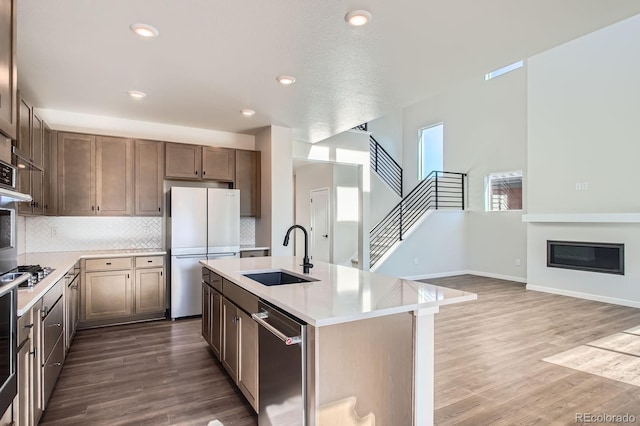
489,367
155,373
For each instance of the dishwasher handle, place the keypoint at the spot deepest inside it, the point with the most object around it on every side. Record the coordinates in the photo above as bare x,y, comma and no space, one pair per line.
288,340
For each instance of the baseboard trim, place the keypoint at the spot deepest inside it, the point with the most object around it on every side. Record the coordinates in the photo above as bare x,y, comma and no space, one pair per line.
497,276
588,296
466,272
436,275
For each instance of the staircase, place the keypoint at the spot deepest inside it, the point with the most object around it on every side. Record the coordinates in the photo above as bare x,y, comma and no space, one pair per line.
439,190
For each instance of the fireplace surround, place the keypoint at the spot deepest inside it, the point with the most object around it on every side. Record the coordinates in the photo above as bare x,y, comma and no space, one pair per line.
586,256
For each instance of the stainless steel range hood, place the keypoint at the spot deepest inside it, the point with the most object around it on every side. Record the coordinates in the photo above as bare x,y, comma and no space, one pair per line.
22,161
9,195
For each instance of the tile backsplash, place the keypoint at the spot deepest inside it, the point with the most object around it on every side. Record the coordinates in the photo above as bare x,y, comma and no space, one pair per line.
52,234
247,231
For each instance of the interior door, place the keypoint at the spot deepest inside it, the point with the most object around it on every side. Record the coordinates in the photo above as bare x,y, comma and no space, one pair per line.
320,230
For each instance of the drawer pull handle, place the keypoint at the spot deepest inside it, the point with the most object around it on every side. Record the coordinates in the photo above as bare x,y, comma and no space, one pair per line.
149,261
56,325
108,263
28,326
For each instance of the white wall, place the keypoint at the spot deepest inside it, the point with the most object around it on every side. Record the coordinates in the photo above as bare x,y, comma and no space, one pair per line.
275,144
110,126
340,179
383,200
387,130
437,247
308,177
584,127
345,213
485,131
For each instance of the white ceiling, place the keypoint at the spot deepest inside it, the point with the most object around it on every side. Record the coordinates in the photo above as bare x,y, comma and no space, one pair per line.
214,57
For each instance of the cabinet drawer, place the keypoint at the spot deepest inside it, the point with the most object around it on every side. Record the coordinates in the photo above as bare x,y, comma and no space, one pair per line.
52,329
149,261
241,297
108,264
52,296
254,253
51,369
25,324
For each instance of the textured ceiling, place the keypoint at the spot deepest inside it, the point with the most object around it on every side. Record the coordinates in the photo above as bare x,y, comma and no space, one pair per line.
214,58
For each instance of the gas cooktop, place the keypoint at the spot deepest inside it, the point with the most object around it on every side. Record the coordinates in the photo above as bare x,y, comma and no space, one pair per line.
37,273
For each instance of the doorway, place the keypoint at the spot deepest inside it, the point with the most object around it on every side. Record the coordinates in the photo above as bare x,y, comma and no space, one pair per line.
320,231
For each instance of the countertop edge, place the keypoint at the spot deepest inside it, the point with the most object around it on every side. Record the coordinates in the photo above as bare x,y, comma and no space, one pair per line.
40,289
345,318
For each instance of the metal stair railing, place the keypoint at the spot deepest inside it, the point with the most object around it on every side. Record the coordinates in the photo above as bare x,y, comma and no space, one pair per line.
439,190
383,163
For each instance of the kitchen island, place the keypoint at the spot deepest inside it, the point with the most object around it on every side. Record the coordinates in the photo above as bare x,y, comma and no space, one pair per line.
369,337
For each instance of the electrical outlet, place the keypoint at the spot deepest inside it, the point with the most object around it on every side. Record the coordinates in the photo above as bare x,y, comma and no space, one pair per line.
585,186
578,186
517,262
54,231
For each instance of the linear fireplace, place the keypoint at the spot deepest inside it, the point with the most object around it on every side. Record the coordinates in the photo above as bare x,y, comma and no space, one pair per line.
595,257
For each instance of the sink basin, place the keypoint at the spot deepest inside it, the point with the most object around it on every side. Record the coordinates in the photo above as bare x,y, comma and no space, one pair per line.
277,278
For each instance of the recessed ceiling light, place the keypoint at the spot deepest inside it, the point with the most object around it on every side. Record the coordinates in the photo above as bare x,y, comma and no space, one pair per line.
136,94
358,18
144,30
286,80
247,112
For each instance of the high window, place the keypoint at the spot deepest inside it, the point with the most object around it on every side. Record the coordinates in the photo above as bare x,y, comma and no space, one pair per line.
504,191
430,150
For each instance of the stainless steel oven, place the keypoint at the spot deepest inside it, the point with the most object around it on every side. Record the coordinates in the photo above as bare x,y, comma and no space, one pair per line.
8,344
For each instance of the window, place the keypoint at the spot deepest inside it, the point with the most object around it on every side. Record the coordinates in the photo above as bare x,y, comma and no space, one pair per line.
430,150
503,70
504,191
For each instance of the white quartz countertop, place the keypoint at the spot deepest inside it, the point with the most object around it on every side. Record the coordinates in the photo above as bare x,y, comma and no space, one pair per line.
61,262
340,294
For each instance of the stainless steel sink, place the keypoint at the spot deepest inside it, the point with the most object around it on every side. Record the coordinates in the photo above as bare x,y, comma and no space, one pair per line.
271,278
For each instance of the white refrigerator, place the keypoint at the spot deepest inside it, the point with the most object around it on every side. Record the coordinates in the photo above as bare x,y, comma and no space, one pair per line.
203,223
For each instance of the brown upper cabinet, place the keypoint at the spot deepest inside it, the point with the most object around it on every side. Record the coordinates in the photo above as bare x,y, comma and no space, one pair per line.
8,68
76,174
148,178
48,206
218,164
31,144
114,180
183,161
247,180
196,162
95,175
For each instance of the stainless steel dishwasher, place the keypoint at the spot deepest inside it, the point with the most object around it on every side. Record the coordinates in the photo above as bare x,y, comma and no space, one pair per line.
282,368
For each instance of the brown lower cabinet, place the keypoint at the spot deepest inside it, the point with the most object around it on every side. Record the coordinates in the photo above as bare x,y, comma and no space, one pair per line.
121,289
230,331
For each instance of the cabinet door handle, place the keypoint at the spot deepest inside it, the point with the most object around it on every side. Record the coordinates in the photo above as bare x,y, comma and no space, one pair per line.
204,172
158,208
56,325
28,326
98,208
196,172
57,364
34,352
92,208
127,276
